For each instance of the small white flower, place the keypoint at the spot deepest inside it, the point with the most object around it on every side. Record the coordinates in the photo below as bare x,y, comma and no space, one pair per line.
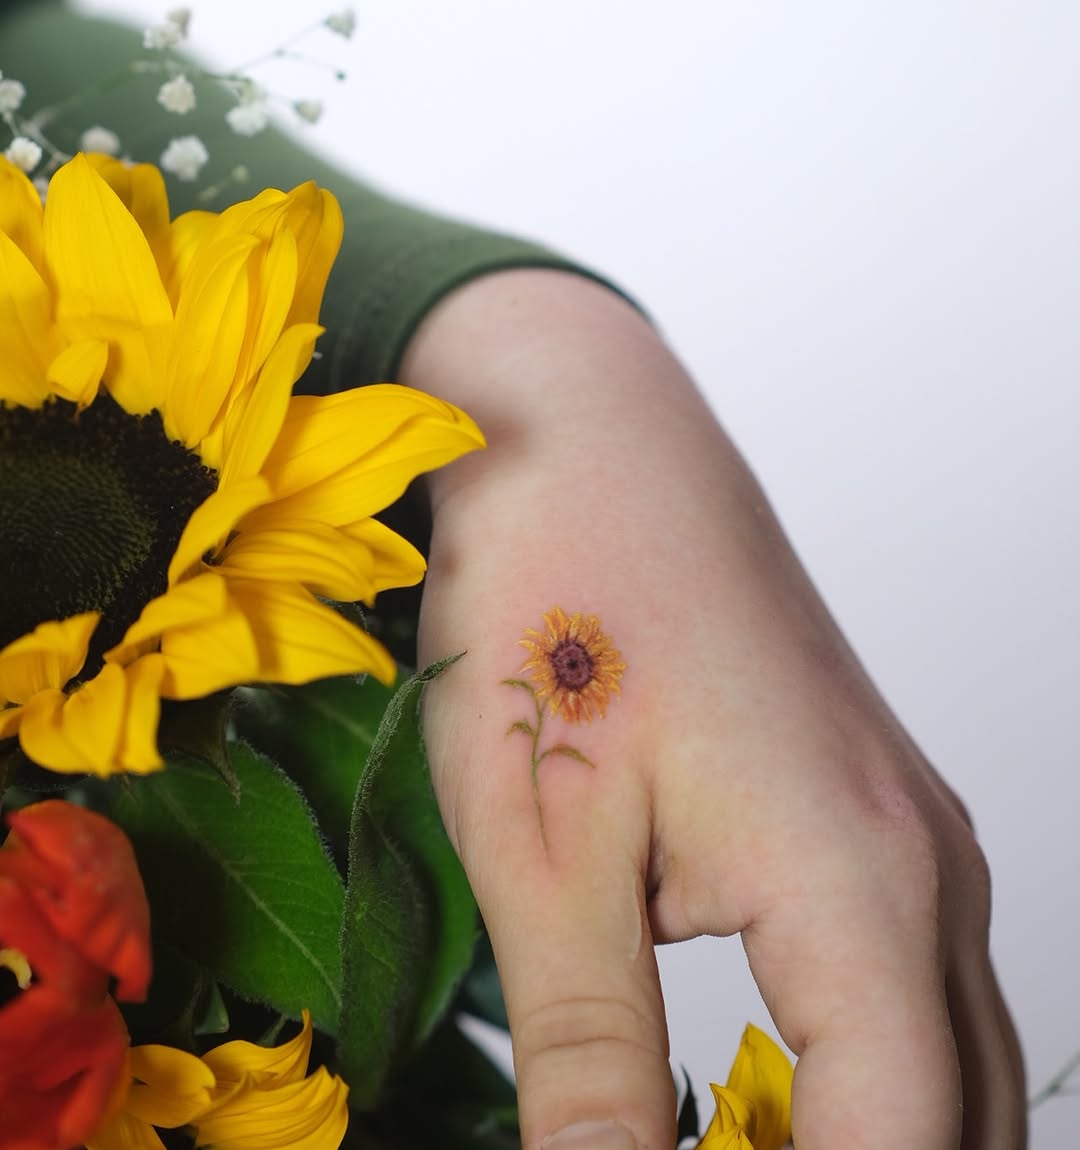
309,110
177,95
24,153
247,119
184,157
11,95
181,17
160,36
343,22
99,139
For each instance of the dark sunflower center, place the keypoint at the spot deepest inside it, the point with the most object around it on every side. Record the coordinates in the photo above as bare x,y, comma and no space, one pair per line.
92,505
572,664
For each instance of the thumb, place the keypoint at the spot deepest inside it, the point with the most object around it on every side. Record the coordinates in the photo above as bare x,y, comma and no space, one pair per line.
564,904
586,1013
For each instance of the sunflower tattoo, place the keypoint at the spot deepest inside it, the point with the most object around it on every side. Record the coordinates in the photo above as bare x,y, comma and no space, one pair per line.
574,668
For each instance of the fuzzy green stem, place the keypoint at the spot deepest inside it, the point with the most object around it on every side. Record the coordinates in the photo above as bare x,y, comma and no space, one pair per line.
1056,1085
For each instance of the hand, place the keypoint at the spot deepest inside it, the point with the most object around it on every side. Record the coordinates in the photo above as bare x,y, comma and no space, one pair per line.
747,778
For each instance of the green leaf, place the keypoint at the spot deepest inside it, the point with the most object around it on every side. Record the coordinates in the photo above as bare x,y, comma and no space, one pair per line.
687,1123
320,735
242,886
410,918
195,729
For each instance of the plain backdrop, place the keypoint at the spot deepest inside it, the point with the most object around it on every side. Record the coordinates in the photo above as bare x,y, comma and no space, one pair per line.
857,223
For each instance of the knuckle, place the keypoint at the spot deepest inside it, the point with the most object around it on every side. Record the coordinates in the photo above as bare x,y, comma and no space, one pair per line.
602,1026
905,839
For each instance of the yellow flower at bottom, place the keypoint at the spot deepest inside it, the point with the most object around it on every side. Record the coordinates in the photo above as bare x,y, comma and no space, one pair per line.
753,1111
239,1096
172,517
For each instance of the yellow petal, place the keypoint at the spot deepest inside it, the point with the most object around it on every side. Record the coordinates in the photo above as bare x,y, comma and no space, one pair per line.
273,281
41,732
340,458
75,374
171,1087
90,730
315,216
731,1123
10,718
92,718
21,213
296,639
395,562
138,742
141,189
25,321
233,1062
308,1115
125,1132
47,658
211,324
256,417
335,563
763,1076
209,656
188,233
212,520
194,601
107,283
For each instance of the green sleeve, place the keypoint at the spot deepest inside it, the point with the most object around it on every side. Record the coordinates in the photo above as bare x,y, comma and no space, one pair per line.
397,261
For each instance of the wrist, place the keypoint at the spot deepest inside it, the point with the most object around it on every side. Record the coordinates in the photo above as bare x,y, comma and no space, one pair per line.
555,367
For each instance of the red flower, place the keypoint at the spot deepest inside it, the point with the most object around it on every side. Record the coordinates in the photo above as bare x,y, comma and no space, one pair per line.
72,904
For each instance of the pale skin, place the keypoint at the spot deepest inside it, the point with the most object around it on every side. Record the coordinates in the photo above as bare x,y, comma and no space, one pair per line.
749,779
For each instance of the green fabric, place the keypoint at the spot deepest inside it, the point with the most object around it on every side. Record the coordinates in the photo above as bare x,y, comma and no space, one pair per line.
396,261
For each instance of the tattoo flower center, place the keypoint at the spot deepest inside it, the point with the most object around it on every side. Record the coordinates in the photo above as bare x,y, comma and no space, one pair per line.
572,665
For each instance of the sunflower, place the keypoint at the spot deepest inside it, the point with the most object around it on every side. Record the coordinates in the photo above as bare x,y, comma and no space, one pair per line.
173,517
573,665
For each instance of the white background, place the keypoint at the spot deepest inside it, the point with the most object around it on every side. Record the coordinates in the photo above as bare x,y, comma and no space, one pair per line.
857,223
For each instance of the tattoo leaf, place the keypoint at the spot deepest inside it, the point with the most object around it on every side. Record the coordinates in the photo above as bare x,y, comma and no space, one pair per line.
567,752
524,684
523,726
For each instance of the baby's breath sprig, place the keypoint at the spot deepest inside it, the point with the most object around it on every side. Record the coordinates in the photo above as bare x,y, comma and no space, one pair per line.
30,148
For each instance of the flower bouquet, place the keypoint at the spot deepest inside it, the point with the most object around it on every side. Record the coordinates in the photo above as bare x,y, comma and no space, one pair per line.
229,913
